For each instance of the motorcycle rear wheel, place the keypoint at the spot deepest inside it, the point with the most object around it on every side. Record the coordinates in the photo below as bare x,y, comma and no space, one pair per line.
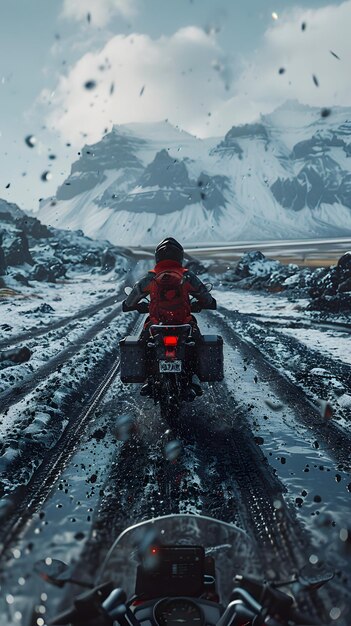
170,400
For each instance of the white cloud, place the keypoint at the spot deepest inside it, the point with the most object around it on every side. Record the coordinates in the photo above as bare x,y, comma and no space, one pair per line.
302,53
101,11
184,76
176,72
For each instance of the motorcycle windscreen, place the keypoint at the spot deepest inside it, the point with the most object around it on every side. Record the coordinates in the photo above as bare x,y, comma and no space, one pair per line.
143,546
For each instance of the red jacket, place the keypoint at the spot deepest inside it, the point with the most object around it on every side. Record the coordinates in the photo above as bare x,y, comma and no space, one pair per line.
170,305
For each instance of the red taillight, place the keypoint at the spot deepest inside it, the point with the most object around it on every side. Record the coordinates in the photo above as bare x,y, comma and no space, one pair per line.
170,340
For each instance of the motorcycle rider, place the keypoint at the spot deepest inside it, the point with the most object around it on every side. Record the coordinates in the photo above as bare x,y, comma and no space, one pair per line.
170,286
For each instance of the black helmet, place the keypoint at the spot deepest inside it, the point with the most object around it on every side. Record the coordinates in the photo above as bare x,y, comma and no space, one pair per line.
169,249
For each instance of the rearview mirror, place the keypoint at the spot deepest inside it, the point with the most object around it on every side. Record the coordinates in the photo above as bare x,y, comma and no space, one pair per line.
57,573
314,576
127,290
209,286
53,571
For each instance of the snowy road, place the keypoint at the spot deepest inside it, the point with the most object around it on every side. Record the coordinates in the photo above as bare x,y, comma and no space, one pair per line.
256,451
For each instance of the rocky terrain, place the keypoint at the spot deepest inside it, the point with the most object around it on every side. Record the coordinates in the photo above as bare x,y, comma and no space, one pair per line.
327,289
31,251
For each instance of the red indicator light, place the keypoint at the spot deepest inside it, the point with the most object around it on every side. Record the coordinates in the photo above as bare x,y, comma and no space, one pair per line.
153,550
170,340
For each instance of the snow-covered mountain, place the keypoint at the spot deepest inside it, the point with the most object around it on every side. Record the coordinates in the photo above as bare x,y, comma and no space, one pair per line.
286,176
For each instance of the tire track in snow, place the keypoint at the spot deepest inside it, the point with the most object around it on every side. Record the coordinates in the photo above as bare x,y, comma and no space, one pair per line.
43,330
30,497
336,438
12,396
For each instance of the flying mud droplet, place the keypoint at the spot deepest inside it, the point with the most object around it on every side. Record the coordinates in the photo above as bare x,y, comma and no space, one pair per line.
303,26
142,90
317,498
90,84
325,112
79,536
335,55
46,176
8,186
259,441
30,141
313,559
124,427
277,504
282,70
274,405
345,535
315,80
173,450
335,613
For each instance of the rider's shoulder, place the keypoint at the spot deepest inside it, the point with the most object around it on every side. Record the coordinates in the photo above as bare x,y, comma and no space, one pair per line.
146,279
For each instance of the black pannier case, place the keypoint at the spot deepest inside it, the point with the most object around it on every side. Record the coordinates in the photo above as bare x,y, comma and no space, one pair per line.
210,358
133,360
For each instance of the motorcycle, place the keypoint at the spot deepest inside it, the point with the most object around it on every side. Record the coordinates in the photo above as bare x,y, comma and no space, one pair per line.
169,356
183,570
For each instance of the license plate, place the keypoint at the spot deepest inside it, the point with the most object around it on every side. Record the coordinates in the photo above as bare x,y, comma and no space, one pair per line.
170,366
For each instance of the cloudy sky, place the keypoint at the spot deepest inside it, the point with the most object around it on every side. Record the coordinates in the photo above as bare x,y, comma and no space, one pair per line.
70,69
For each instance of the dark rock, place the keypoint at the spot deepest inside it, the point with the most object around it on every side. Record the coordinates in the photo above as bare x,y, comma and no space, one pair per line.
33,227
344,265
16,249
44,308
345,286
23,280
108,261
243,267
92,259
16,355
48,272
330,288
